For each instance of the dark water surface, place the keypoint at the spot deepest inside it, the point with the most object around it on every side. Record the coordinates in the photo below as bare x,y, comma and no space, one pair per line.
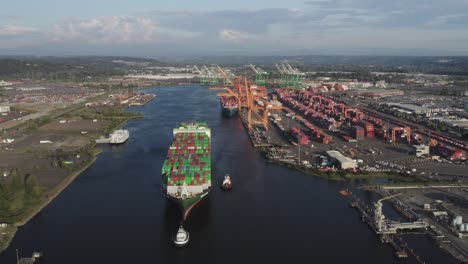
115,211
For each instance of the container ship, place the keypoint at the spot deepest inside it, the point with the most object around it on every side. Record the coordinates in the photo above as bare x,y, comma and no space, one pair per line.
229,105
186,172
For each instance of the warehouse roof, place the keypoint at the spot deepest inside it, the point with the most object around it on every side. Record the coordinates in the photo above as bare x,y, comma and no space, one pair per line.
339,157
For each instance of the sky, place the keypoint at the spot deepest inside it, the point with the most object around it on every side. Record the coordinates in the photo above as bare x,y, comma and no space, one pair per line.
154,28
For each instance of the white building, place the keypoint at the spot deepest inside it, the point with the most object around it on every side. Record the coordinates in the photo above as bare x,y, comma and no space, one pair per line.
342,161
3,83
421,150
4,109
381,84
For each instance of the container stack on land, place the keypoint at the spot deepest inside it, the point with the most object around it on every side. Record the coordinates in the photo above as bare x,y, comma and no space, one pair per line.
299,136
368,128
357,132
353,124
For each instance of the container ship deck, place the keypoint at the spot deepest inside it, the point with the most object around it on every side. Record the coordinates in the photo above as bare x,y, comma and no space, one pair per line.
186,172
229,105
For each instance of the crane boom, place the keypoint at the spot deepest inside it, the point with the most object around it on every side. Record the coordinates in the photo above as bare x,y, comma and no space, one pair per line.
224,75
279,69
388,197
207,70
253,68
285,69
197,69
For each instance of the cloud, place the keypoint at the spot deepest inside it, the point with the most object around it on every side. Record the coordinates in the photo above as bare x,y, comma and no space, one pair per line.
441,20
211,22
349,20
108,30
15,30
318,24
231,35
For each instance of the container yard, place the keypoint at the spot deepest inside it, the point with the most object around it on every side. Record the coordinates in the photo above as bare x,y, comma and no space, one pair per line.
312,124
325,135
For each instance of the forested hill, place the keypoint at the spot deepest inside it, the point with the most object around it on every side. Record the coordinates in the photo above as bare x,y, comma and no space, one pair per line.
28,66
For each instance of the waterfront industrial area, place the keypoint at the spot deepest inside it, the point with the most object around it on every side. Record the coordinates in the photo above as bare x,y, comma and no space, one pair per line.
405,141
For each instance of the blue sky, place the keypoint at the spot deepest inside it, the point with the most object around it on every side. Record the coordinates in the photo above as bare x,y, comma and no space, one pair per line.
156,28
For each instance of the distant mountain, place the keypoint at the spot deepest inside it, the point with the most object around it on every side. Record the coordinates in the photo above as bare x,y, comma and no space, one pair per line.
321,59
70,67
89,60
452,65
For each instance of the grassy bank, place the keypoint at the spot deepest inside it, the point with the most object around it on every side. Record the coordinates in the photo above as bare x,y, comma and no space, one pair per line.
21,198
54,192
33,207
350,176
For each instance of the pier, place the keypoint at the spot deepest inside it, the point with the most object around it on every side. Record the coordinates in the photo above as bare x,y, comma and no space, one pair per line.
257,137
26,261
387,230
31,260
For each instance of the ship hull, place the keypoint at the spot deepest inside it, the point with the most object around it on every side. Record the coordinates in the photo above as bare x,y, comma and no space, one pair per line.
229,111
186,205
118,142
186,172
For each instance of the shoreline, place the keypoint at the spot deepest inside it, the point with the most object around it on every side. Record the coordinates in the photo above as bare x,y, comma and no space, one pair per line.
349,177
56,191
51,194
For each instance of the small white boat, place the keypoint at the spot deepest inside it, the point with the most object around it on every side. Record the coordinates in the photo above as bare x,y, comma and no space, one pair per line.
227,184
37,255
182,237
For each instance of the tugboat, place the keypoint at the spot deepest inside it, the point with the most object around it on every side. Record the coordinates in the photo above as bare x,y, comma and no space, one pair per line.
227,184
182,237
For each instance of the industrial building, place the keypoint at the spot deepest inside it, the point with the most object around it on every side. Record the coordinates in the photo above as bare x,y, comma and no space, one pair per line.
410,108
4,109
340,160
375,93
421,150
457,124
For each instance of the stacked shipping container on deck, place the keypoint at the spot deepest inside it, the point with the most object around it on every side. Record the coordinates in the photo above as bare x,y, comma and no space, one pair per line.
188,160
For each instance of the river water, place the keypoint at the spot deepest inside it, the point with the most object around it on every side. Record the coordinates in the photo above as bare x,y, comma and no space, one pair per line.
115,212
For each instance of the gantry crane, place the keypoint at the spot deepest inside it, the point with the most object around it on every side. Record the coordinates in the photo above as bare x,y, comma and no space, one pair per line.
227,80
378,214
290,77
258,107
283,82
406,130
251,98
203,75
197,69
295,77
260,75
236,88
213,78
341,107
